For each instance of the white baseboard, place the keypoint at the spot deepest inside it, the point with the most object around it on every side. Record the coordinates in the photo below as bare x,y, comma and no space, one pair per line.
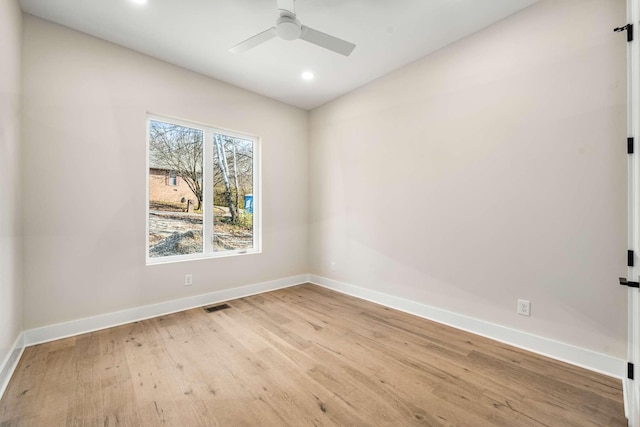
578,356
103,321
10,362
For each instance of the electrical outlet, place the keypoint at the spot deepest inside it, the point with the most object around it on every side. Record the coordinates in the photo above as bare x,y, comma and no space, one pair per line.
524,307
188,279
333,266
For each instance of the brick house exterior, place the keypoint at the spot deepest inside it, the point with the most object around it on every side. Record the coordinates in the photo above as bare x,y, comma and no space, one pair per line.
166,186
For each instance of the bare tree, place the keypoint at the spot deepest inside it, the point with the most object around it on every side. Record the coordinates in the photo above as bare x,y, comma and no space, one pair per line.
235,175
242,165
224,172
178,149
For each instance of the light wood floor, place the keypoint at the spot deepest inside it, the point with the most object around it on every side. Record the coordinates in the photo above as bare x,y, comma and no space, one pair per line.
303,356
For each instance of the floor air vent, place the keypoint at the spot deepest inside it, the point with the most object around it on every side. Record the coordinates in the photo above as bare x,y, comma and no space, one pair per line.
213,308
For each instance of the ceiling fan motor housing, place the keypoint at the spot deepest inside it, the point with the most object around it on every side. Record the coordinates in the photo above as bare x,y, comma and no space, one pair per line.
288,28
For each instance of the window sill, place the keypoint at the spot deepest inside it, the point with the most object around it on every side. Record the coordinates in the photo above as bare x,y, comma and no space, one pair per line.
197,257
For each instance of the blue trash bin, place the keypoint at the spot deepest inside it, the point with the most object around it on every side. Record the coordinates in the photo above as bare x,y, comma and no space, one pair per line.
248,203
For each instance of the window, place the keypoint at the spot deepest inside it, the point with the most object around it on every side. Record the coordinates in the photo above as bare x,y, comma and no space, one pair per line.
173,178
202,198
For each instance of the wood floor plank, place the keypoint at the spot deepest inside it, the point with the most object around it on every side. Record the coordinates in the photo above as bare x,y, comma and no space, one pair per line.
295,357
85,407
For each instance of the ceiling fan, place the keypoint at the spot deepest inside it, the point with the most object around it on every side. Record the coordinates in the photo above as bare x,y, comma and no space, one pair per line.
289,28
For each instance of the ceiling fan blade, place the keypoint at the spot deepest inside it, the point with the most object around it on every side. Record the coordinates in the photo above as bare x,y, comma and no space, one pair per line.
287,6
254,41
326,41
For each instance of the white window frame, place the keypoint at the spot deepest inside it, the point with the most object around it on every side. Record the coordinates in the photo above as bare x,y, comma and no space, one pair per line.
207,179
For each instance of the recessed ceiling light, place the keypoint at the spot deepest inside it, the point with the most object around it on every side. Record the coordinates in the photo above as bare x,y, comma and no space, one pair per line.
307,75
139,1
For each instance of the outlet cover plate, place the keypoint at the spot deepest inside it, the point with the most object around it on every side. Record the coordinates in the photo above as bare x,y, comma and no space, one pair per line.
524,307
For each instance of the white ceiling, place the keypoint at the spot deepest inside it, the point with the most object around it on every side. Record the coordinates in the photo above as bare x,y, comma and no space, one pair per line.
196,34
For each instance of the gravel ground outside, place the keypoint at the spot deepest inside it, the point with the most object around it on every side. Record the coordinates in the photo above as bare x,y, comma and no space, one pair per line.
178,233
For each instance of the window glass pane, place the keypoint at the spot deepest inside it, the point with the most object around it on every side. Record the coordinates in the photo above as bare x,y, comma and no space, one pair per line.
175,190
233,193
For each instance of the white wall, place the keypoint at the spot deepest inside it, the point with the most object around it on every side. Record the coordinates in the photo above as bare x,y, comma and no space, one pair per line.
10,227
85,105
492,170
